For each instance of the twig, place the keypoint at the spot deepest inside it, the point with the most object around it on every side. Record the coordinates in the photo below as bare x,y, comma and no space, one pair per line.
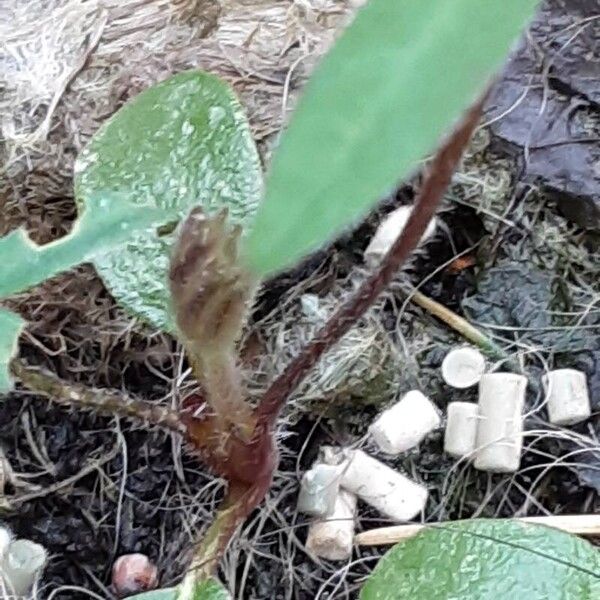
434,185
586,525
43,382
459,324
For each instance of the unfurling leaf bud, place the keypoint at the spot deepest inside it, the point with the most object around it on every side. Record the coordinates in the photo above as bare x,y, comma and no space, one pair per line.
211,292
209,288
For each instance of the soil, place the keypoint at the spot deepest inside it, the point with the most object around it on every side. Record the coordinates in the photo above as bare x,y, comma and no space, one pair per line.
90,488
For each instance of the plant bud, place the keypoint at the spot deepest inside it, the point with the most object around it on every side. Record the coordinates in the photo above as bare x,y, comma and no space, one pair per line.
209,288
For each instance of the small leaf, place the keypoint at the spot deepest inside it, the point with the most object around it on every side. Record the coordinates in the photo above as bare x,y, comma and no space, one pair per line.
166,594
206,590
209,590
378,103
487,560
107,223
182,143
10,329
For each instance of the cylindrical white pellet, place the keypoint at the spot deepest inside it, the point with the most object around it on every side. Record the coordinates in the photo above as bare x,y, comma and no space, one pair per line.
332,537
22,565
385,489
319,489
387,233
461,429
568,396
5,537
463,367
405,424
500,428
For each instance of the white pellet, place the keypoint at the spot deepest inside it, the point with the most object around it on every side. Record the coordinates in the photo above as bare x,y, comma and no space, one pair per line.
461,429
332,536
405,424
5,537
385,489
319,489
568,396
387,233
500,427
463,367
22,565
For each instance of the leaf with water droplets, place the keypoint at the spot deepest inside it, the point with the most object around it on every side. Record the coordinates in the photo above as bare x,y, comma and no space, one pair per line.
181,143
488,559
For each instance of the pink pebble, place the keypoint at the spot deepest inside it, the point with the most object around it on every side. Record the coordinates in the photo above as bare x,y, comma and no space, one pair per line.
132,574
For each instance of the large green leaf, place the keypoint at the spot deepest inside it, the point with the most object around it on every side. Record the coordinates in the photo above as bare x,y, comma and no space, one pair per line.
488,560
181,143
10,328
378,103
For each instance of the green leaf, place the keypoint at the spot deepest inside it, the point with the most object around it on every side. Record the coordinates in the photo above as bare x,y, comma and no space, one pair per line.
10,329
206,590
487,560
166,594
378,103
107,223
181,143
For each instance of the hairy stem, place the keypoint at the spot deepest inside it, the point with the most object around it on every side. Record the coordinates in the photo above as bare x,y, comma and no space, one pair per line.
214,543
43,382
220,377
434,185
240,502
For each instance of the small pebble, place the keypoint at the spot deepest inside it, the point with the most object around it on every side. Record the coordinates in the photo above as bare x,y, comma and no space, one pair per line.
22,565
133,574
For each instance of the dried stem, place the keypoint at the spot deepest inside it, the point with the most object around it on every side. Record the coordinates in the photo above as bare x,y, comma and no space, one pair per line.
434,185
587,525
43,382
459,324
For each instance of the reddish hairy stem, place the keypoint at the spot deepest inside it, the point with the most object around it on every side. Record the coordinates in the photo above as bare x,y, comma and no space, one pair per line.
434,185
